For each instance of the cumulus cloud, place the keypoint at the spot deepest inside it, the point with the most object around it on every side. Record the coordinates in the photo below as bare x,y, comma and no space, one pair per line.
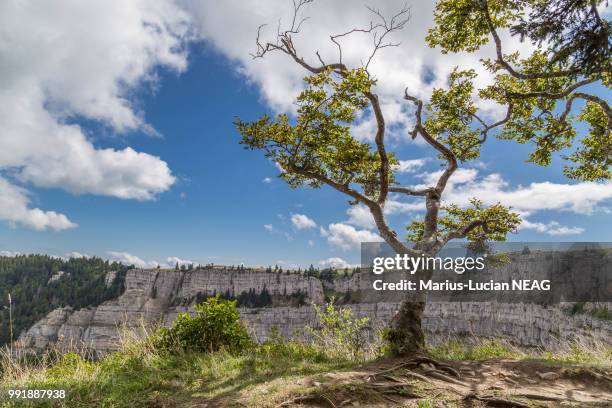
130,259
347,237
413,64
580,198
15,208
269,227
410,166
551,228
75,254
360,216
9,254
301,221
56,69
335,262
173,261
267,180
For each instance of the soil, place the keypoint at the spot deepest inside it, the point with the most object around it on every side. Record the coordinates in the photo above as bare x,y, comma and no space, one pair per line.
425,383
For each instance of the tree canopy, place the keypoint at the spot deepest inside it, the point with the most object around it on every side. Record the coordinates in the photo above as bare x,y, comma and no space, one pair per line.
538,91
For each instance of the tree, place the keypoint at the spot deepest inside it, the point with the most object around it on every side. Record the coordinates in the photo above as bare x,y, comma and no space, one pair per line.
317,147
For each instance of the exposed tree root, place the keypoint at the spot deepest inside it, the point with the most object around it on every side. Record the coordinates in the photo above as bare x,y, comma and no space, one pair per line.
540,397
600,376
440,376
430,367
307,398
496,401
297,400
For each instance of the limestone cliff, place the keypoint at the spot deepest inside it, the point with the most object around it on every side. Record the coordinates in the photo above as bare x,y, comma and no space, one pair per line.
158,296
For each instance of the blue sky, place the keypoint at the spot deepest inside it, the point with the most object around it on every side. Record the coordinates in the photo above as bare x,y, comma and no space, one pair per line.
192,192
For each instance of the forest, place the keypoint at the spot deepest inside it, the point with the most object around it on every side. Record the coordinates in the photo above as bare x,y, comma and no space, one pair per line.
36,287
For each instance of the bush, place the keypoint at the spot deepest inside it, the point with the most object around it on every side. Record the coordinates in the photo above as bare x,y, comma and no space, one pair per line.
214,327
340,334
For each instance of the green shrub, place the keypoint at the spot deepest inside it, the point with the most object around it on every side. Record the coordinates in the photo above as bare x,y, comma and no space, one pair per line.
69,365
214,327
339,333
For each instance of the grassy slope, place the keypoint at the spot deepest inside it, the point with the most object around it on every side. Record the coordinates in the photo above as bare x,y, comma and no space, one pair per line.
139,376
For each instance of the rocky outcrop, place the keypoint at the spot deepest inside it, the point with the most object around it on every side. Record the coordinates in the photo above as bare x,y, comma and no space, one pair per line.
152,296
157,296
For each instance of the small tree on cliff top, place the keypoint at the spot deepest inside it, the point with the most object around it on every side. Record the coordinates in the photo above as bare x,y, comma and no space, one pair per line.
537,92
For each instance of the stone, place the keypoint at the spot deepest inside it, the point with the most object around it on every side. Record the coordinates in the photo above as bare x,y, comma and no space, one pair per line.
157,297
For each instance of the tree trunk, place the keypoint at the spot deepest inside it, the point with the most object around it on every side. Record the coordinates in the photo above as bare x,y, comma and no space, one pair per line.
405,333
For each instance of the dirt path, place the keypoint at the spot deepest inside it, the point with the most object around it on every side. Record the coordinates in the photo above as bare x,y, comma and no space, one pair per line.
425,383
493,383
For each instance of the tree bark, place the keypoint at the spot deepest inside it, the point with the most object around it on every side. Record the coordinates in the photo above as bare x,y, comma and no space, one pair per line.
405,333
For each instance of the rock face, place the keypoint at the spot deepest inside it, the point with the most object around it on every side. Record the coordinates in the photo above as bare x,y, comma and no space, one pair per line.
158,296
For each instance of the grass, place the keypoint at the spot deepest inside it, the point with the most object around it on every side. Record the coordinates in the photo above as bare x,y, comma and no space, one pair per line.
138,376
582,352
144,374
478,349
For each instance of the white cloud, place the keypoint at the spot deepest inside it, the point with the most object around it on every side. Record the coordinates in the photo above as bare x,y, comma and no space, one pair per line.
75,254
129,259
267,180
399,207
410,166
269,227
347,237
311,243
583,198
551,228
15,208
360,216
56,68
9,254
413,64
301,221
335,262
173,260
580,198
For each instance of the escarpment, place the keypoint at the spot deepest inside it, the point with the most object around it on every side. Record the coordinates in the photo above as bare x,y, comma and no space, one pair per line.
279,301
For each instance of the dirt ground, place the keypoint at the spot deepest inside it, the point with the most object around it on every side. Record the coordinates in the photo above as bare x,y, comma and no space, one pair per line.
425,383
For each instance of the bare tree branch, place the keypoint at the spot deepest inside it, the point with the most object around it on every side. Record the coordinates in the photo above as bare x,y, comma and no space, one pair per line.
380,31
